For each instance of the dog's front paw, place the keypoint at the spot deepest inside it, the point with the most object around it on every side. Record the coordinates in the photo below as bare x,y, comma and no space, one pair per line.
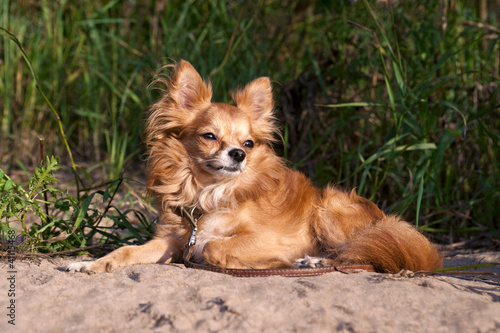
312,262
82,266
214,254
89,267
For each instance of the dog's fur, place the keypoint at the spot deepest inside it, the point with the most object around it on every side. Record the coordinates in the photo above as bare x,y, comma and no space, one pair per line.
257,213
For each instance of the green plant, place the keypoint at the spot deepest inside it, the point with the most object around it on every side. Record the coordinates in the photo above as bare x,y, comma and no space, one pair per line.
415,126
65,223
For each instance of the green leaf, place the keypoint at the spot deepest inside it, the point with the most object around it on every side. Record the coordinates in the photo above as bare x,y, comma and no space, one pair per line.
8,185
83,211
354,104
419,198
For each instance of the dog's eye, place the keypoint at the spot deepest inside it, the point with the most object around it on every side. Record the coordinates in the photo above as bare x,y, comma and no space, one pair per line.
209,136
248,144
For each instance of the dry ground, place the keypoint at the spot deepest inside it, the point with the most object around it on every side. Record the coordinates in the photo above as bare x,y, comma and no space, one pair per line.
172,298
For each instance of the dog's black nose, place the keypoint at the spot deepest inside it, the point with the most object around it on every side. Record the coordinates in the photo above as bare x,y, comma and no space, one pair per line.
237,154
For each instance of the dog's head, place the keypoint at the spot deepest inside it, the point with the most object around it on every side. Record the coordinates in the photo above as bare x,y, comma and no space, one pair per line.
220,139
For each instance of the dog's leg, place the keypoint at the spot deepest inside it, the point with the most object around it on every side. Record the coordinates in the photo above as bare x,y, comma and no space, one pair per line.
225,253
254,251
158,250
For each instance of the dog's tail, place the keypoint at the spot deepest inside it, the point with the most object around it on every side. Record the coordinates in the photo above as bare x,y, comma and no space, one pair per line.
355,231
390,245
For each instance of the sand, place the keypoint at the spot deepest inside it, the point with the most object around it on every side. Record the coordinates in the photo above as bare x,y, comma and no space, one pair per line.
172,298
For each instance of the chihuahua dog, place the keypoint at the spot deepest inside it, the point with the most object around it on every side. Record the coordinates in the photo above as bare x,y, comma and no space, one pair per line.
256,213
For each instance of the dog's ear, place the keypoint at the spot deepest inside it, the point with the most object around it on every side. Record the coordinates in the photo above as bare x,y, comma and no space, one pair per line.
187,95
256,98
188,89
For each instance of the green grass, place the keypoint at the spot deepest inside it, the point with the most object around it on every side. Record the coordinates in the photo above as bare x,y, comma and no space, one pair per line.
424,138
67,224
381,98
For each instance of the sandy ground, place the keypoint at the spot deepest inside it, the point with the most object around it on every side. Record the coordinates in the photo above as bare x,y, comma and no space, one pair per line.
172,298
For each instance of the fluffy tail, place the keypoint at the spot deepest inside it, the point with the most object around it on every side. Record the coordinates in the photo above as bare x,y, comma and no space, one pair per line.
390,245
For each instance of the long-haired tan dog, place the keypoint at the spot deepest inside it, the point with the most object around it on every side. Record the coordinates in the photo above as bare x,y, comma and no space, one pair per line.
257,213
